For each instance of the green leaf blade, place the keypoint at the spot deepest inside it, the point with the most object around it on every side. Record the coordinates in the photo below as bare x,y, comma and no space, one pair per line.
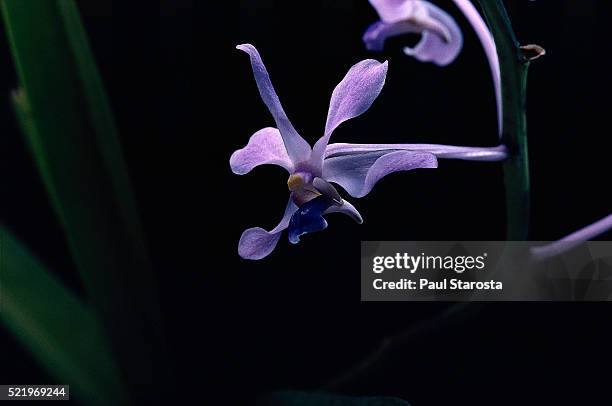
67,121
61,333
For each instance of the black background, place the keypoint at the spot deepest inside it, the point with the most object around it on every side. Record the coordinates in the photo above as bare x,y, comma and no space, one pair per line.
185,99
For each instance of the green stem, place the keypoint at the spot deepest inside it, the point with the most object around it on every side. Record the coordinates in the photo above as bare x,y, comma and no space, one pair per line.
514,66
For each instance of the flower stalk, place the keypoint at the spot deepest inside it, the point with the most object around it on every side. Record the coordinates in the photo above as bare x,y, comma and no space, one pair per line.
514,64
573,240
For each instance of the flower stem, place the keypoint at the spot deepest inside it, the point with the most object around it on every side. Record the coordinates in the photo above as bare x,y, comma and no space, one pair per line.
514,66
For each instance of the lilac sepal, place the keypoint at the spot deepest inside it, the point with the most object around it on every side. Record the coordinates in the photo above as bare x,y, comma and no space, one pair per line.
297,148
352,97
498,153
265,147
257,243
358,173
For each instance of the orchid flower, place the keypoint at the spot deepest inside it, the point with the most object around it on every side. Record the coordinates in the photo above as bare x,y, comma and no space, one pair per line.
441,39
573,240
355,167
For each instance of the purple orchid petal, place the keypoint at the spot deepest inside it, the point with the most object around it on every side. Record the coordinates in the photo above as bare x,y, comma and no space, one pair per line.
376,34
573,240
432,49
257,243
297,148
265,147
485,37
499,153
395,10
358,173
346,208
441,38
351,98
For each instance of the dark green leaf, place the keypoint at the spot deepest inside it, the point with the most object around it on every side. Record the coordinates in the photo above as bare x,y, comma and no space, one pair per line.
59,330
67,121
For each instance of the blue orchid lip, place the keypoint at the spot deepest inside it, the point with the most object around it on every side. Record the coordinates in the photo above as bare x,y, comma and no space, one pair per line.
309,218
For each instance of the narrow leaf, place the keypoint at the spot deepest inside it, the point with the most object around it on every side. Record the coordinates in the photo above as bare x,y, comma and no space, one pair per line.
61,333
67,121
